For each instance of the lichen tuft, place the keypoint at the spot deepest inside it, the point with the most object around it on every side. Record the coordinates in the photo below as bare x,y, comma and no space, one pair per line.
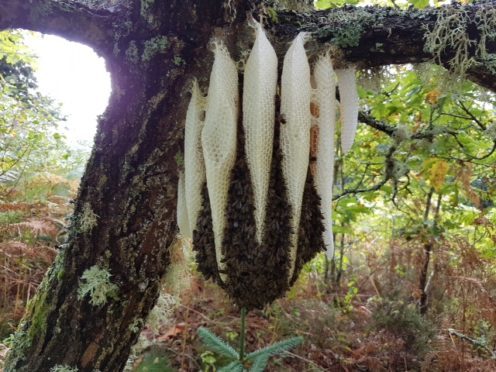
132,53
88,219
154,46
97,285
63,368
347,26
450,39
146,11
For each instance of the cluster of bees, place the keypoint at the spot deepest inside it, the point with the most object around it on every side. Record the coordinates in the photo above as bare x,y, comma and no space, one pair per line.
255,211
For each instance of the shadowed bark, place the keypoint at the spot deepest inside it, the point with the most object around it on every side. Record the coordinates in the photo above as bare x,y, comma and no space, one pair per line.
124,217
76,21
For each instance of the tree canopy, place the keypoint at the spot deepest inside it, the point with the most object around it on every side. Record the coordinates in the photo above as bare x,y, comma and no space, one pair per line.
30,125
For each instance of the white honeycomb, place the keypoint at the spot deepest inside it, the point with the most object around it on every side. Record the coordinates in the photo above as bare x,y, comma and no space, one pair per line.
295,133
348,106
324,174
182,213
194,167
260,82
219,138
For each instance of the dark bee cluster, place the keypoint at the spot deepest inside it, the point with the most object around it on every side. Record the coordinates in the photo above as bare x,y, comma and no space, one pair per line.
257,274
311,230
203,240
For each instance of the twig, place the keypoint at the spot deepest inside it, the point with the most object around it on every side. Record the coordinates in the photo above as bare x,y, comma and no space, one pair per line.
366,118
395,5
475,342
387,176
359,191
304,359
472,116
242,334
203,315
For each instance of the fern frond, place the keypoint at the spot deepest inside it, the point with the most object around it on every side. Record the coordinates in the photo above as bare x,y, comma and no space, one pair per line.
235,366
260,363
216,344
275,349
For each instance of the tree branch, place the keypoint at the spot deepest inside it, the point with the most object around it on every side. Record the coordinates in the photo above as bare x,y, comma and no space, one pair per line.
74,20
477,343
373,36
376,187
388,175
366,118
472,116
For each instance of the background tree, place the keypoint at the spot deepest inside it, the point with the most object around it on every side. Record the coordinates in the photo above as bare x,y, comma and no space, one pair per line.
29,121
39,172
107,278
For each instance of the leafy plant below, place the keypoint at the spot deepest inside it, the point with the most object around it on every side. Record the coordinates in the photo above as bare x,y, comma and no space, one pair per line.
238,360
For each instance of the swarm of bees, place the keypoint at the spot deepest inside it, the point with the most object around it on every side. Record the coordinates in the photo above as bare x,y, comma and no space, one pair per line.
252,209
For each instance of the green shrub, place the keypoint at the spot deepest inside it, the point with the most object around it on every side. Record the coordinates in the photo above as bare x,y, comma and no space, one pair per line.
403,319
155,361
9,217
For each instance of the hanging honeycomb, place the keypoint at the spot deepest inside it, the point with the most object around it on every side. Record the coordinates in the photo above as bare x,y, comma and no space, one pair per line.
296,93
219,138
259,90
326,122
348,106
194,166
260,218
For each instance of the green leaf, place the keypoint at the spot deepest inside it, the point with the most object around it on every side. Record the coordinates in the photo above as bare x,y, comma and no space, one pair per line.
232,367
326,4
260,363
216,344
323,4
276,348
419,4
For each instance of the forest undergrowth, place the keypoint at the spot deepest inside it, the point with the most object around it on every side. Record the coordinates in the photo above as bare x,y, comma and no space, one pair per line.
362,316
369,322
32,227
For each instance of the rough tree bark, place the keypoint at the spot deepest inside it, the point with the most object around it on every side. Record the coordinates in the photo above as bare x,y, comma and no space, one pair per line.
124,219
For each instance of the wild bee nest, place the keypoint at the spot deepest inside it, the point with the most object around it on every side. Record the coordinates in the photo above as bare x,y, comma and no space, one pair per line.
257,219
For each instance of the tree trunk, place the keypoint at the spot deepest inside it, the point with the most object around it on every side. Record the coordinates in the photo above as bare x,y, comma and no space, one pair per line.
428,246
124,217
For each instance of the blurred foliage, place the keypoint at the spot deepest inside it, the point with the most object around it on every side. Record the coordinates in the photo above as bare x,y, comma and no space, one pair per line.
436,139
31,141
39,175
155,361
402,319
